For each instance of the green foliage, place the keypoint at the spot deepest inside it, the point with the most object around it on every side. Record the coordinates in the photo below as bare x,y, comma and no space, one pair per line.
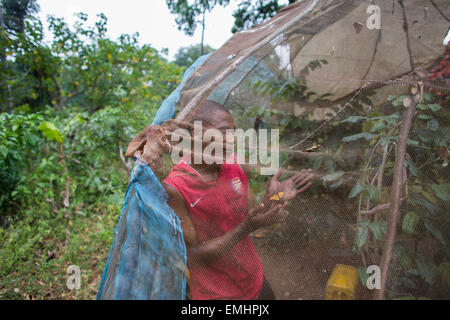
333,176
425,217
287,90
37,251
252,13
20,141
67,175
372,192
51,132
363,275
82,68
291,89
248,14
442,191
15,11
77,104
186,56
362,135
410,221
187,12
361,235
282,90
378,229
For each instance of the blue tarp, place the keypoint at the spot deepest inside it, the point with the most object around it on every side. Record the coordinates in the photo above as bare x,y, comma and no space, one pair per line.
147,259
167,109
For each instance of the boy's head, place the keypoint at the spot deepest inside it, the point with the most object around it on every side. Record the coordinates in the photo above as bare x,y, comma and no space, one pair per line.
213,115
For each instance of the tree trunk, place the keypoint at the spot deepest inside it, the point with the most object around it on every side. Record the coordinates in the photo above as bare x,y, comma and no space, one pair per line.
203,33
388,247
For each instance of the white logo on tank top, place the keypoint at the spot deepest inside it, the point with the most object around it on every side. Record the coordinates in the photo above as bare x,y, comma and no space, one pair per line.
196,202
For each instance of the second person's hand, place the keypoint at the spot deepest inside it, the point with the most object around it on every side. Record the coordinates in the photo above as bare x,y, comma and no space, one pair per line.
290,187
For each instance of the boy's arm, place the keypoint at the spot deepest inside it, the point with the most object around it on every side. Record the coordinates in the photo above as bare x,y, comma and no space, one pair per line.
200,253
149,144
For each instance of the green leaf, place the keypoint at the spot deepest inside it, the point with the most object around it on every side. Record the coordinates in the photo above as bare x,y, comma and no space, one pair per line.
391,97
284,120
428,96
434,107
442,191
413,143
362,135
333,176
398,101
424,135
363,276
3,151
357,189
425,117
353,119
378,229
377,126
421,106
410,221
433,125
372,191
361,235
411,168
404,256
392,118
385,140
51,132
435,232
427,269
421,201
336,185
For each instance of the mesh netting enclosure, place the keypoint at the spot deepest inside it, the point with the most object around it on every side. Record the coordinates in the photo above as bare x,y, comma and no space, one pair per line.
335,84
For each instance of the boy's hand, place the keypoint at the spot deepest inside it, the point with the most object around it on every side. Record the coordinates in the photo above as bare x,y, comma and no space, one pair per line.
152,142
290,188
263,216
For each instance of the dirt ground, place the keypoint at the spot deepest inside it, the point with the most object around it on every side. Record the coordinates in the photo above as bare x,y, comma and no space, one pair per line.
299,255
302,274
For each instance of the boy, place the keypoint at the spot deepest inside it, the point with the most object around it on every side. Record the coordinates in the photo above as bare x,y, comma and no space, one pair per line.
214,204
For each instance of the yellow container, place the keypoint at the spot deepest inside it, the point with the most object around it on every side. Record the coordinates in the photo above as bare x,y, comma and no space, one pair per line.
342,283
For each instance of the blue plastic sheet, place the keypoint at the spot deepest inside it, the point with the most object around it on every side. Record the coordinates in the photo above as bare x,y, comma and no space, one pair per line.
147,260
167,109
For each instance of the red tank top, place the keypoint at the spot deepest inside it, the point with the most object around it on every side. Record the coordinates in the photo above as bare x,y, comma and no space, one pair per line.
217,207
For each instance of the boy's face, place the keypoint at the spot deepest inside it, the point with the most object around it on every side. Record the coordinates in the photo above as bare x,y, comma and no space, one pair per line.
221,122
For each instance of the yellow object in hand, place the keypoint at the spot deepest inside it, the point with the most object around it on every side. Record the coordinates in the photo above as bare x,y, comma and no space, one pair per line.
277,197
